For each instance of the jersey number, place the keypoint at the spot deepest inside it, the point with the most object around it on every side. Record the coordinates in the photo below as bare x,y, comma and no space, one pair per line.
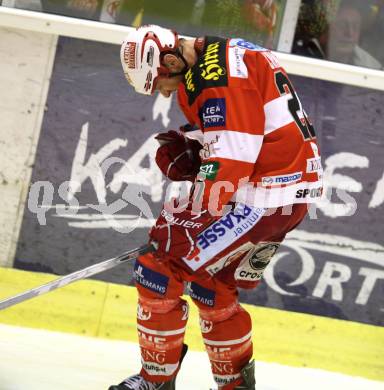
294,106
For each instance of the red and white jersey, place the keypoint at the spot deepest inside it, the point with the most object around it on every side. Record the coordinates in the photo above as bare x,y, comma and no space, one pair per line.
259,146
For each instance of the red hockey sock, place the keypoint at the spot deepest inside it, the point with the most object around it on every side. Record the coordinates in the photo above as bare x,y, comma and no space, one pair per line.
227,335
161,326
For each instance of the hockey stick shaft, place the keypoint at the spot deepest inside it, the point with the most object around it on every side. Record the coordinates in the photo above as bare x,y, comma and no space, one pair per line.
73,277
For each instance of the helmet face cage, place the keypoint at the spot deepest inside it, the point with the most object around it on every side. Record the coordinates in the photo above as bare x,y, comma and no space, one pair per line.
141,56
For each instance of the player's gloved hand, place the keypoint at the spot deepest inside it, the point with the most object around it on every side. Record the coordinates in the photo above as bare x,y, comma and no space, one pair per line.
175,233
178,156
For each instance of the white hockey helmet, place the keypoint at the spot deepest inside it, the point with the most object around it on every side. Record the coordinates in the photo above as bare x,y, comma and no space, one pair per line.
141,56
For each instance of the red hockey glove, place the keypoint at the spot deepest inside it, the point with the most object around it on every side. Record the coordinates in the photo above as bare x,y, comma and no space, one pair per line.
178,156
175,233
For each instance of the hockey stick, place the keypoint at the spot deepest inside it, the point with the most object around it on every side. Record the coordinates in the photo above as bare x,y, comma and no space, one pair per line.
73,277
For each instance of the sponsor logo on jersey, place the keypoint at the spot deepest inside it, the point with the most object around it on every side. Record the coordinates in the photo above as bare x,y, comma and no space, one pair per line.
246,45
210,71
221,234
237,67
208,148
201,294
314,165
149,279
312,193
281,179
130,55
211,68
209,170
190,85
233,222
213,113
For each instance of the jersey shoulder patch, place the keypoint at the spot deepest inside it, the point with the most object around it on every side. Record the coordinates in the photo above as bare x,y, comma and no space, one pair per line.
210,70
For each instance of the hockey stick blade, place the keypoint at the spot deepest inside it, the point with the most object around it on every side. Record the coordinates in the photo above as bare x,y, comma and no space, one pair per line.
73,277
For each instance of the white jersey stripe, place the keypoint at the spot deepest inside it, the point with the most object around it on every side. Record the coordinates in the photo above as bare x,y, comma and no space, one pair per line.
259,196
197,135
277,114
160,332
228,342
233,145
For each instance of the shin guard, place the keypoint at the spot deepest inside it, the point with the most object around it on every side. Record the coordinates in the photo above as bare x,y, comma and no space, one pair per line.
227,335
161,326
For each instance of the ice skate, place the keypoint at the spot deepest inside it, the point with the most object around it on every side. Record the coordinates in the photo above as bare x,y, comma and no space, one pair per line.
137,382
248,375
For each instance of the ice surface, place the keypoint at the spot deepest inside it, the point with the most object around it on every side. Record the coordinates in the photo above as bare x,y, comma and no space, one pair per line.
34,359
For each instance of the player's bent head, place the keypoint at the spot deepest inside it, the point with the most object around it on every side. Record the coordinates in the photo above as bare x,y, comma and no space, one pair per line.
142,56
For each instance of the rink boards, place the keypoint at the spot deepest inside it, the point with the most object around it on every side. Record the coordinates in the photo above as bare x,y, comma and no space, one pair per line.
106,310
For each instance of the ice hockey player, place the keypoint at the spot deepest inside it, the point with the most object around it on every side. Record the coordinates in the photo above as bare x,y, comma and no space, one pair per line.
251,152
